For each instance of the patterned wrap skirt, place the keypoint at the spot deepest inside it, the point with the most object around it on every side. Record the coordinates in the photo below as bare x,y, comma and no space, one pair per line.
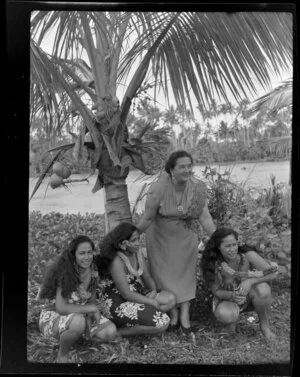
126,313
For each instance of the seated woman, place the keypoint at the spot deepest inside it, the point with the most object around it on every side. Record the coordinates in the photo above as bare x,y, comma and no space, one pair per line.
134,304
237,276
69,292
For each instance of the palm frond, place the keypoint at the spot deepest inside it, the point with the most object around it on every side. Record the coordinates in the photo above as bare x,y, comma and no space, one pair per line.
140,73
277,99
57,76
68,146
46,171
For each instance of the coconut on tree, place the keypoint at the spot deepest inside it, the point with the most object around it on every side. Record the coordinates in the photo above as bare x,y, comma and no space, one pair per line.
201,56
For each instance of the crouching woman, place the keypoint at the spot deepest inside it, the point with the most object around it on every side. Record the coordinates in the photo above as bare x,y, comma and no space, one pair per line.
133,302
237,276
68,291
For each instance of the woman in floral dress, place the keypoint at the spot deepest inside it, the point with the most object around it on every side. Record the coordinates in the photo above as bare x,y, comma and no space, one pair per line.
68,292
130,293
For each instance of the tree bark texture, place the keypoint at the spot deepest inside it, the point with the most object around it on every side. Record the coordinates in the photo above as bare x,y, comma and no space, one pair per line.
117,205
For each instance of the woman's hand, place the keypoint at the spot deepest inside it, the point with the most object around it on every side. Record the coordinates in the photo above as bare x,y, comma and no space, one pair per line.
156,304
238,298
152,294
94,316
97,316
244,287
206,220
92,308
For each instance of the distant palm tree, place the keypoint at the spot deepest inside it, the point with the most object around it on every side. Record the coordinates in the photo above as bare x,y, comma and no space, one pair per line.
207,54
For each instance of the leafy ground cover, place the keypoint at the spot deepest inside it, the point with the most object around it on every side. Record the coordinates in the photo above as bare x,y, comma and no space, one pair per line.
48,235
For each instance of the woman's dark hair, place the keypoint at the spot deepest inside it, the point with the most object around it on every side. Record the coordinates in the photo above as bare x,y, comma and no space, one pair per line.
63,272
171,162
110,245
212,253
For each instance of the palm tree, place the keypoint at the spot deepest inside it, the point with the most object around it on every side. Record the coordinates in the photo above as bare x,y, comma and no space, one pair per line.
171,118
94,53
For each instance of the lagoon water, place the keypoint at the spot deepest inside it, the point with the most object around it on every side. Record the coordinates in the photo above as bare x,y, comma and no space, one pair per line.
81,200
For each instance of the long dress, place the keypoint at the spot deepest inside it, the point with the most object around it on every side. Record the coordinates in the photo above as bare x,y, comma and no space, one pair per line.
127,313
173,237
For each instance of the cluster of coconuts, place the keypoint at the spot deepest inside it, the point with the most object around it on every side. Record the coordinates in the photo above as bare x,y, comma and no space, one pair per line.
111,101
59,173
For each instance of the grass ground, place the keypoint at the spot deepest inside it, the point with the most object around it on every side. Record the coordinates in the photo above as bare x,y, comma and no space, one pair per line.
208,345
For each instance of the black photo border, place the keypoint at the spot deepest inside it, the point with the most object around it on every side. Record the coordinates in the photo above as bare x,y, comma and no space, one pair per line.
13,357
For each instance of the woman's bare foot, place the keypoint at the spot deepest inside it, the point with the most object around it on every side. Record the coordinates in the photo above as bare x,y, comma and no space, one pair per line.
63,359
269,335
231,328
118,339
174,316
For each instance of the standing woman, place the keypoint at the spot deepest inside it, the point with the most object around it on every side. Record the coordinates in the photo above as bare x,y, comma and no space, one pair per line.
69,291
176,205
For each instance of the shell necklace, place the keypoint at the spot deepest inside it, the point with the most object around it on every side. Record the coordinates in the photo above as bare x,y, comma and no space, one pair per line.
179,205
132,270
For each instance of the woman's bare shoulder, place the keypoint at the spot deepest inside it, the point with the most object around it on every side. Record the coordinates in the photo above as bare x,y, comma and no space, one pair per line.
116,264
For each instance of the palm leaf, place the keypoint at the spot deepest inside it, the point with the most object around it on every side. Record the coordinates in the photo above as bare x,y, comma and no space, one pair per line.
65,147
140,73
86,114
275,100
46,171
99,73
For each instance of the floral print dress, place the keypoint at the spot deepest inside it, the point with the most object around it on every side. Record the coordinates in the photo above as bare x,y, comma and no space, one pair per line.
53,324
126,313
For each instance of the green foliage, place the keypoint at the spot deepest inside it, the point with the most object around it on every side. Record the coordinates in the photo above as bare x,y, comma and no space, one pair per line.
277,199
226,198
261,216
146,130
48,235
265,136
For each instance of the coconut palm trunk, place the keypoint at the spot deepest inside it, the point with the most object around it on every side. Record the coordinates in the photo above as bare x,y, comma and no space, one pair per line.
116,203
